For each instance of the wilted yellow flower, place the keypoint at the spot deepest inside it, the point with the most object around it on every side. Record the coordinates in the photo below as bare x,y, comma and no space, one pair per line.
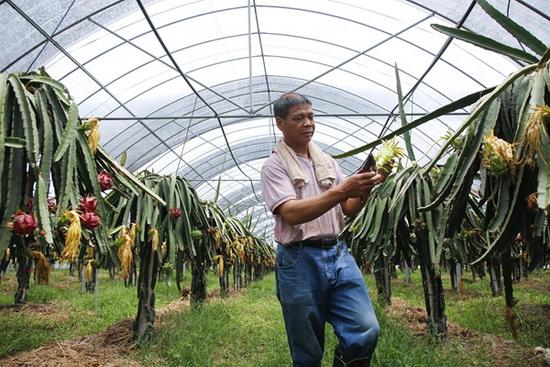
90,252
532,138
72,239
42,267
240,249
90,270
154,233
132,234
93,136
125,256
219,260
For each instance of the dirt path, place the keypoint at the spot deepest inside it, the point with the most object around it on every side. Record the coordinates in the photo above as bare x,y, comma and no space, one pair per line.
504,353
108,348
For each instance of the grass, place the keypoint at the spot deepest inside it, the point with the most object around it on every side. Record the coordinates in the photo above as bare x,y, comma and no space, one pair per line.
248,329
243,330
477,310
61,310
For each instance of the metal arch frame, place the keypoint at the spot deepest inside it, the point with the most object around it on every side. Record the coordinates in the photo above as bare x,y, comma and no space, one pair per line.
199,135
29,51
534,10
4,1
107,7
213,102
243,155
66,53
245,118
454,22
272,34
222,153
440,93
265,67
234,8
155,58
248,153
344,132
213,155
335,115
114,137
406,96
243,58
236,80
211,129
426,84
308,82
360,127
56,28
353,57
203,117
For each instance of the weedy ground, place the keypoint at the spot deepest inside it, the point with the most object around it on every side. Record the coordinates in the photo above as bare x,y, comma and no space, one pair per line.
246,329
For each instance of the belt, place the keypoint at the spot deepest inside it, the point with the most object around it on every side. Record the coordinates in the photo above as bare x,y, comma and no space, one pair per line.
322,242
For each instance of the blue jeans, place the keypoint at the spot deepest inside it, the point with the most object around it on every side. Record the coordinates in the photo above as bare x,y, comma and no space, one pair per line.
316,286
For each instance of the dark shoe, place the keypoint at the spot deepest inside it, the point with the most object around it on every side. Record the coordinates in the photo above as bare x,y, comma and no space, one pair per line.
342,361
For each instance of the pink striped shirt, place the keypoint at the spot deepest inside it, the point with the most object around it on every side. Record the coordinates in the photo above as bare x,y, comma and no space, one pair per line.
277,188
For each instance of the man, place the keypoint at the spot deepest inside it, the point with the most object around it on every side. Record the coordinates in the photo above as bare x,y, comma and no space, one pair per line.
318,280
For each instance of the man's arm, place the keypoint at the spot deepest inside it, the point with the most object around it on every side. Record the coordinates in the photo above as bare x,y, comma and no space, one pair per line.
298,211
352,206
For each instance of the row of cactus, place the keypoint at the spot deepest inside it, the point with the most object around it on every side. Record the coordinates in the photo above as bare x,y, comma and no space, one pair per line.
44,150
485,188
64,198
237,249
155,237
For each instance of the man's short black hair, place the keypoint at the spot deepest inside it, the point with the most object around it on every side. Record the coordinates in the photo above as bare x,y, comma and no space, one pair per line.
282,105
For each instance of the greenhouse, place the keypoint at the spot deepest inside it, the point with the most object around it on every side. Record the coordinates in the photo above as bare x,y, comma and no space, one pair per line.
158,156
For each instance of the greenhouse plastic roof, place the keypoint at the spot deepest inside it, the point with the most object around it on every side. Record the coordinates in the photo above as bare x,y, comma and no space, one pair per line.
202,109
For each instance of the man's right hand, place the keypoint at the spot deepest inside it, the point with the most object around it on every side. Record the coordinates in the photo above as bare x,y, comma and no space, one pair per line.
360,184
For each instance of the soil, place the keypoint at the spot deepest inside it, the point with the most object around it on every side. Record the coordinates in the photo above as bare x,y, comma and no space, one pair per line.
108,348
541,285
534,317
503,352
111,347
50,310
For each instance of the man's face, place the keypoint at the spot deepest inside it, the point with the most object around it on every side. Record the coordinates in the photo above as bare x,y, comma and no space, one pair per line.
298,126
